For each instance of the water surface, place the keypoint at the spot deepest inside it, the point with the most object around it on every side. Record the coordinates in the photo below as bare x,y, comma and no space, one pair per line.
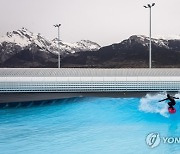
88,126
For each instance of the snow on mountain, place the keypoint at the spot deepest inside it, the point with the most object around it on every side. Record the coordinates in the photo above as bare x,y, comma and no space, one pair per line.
83,45
145,41
88,45
16,41
24,37
19,37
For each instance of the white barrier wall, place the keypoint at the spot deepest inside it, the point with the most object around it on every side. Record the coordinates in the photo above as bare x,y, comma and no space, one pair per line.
88,80
89,84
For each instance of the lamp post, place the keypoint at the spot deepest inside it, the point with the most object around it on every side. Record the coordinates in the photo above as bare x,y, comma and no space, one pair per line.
59,62
149,6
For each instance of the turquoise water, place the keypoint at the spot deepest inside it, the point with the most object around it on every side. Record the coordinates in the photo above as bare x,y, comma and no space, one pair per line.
89,126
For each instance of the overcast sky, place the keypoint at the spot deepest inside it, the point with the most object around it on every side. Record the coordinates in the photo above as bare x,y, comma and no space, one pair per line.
102,21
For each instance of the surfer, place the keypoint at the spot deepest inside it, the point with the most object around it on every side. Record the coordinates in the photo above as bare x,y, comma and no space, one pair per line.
172,101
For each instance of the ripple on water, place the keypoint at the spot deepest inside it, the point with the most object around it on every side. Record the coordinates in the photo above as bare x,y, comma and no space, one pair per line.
87,125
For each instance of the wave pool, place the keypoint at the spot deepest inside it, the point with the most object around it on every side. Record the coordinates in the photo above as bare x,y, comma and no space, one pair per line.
90,125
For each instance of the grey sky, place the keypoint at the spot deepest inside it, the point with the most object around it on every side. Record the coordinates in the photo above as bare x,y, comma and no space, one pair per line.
102,21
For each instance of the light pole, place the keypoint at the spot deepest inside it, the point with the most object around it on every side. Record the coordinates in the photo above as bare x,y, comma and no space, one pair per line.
149,6
59,62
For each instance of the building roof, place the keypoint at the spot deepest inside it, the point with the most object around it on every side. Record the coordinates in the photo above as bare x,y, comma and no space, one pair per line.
88,72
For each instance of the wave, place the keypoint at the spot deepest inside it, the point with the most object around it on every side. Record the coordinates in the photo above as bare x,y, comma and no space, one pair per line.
150,104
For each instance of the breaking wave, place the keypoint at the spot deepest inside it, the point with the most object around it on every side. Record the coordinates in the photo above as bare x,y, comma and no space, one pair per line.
150,104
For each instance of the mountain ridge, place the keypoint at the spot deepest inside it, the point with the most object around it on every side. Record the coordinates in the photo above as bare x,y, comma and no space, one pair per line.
131,53
22,39
37,51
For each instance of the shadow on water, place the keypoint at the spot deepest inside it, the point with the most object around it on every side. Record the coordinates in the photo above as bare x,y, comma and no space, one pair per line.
15,105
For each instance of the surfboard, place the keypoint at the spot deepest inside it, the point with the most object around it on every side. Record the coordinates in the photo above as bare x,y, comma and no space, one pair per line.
171,110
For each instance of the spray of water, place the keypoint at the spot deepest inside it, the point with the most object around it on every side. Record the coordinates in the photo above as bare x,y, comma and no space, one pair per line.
150,104
177,95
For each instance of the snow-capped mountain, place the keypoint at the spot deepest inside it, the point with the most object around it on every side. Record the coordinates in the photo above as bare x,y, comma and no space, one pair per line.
83,45
22,39
132,52
144,40
23,48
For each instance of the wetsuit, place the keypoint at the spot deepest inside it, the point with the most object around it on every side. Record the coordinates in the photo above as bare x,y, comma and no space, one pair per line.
172,101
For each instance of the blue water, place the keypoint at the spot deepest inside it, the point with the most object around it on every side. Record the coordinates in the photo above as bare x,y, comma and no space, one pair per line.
89,126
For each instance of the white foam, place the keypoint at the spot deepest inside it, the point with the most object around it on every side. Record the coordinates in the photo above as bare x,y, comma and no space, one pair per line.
150,104
177,95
